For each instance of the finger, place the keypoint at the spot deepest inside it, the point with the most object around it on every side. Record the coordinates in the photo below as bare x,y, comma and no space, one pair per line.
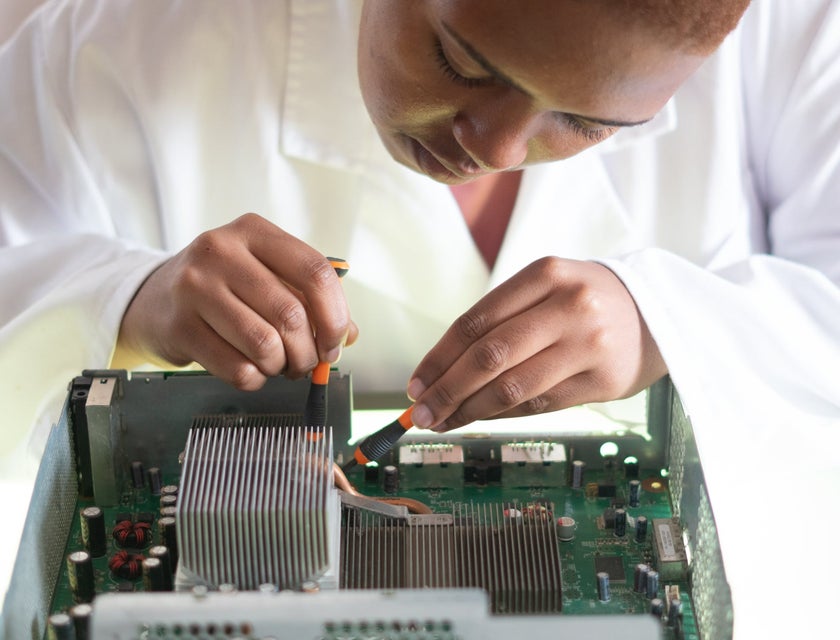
270,324
310,273
222,360
581,388
525,289
489,358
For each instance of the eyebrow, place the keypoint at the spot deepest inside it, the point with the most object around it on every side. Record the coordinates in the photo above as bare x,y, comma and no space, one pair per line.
485,64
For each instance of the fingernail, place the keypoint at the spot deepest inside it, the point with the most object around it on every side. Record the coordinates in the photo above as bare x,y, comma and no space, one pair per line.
334,355
415,389
421,416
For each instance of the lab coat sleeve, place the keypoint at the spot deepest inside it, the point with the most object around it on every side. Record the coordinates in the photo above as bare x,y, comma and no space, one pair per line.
769,324
754,347
67,271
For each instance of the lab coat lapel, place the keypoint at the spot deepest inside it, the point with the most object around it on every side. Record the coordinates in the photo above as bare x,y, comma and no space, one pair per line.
567,209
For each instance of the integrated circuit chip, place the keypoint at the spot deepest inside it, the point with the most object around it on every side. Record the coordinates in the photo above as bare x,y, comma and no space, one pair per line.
613,566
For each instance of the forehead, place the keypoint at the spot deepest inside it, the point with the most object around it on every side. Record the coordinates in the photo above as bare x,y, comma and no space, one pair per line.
570,55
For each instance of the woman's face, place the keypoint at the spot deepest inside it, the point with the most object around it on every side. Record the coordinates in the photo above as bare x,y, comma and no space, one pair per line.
461,88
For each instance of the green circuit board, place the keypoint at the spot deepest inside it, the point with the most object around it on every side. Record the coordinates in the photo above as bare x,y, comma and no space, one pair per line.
594,546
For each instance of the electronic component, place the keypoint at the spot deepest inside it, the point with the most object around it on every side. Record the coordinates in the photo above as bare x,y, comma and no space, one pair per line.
80,573
613,566
93,531
533,464
668,549
433,465
453,536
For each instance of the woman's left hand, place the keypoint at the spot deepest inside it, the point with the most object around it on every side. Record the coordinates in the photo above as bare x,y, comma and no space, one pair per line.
559,333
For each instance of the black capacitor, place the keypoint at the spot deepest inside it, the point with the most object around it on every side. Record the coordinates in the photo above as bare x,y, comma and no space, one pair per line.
603,585
169,511
634,493
657,607
390,479
155,481
372,473
169,490
93,531
81,614
153,575
80,575
631,468
162,553
674,611
60,627
620,522
169,538
640,578
652,584
578,467
641,529
138,478
168,501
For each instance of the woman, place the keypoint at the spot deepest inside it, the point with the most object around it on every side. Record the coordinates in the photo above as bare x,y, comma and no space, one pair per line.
693,213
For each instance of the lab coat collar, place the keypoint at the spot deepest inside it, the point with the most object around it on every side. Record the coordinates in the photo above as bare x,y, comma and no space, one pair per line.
329,125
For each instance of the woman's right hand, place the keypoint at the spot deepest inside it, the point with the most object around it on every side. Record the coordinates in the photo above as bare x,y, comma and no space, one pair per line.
246,301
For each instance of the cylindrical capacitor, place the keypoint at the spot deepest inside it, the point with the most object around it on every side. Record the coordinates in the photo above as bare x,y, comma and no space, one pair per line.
162,553
620,522
631,467
641,529
603,585
657,607
634,493
640,578
153,575
674,611
169,490
60,627
155,481
577,473
81,620
168,501
168,511
390,479
93,531
169,538
138,478
566,526
652,584
80,575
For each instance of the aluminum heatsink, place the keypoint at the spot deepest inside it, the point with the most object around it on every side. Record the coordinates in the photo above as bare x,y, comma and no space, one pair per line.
257,505
510,552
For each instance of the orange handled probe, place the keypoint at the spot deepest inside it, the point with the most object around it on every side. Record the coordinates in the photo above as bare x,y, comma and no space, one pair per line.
315,413
378,444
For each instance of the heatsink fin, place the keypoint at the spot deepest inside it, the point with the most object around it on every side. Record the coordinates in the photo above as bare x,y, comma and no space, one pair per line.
256,503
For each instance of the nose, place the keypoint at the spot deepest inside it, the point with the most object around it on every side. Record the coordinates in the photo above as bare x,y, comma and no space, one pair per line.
496,132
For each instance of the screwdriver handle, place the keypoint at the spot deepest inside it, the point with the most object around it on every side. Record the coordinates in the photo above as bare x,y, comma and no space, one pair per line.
378,444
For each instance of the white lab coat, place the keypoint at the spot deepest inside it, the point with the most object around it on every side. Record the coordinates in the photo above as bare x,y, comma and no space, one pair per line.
126,128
